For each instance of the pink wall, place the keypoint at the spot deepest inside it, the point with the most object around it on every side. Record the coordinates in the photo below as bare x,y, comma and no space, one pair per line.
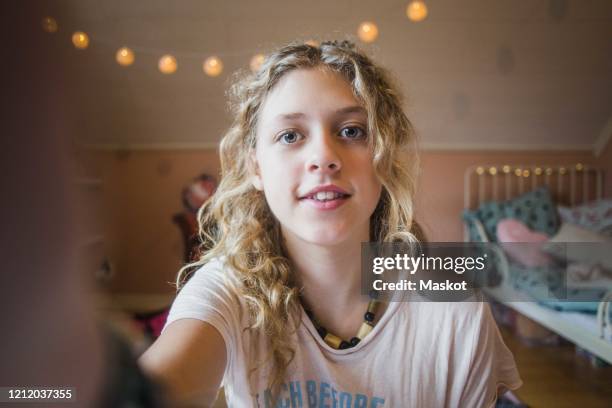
141,192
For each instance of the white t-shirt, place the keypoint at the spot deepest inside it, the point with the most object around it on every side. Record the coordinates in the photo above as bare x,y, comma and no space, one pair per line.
420,354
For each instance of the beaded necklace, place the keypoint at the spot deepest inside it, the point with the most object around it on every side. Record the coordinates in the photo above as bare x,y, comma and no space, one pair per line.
366,327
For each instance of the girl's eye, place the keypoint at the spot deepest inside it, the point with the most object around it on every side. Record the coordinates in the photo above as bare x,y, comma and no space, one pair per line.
289,137
352,132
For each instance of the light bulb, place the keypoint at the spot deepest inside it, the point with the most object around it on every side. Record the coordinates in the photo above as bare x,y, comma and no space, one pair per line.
256,62
167,64
416,11
49,24
367,32
212,66
80,40
125,56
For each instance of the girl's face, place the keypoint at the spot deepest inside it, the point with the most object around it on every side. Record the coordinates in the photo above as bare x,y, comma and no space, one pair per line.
313,161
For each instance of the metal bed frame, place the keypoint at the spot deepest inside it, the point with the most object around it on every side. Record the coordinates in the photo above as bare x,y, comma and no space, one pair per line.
571,185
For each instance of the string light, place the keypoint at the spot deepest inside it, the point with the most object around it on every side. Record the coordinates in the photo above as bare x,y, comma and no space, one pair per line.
416,11
125,56
80,40
167,64
367,32
256,62
49,24
213,66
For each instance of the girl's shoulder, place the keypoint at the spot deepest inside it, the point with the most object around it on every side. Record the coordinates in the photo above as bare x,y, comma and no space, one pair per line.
215,281
215,271
209,294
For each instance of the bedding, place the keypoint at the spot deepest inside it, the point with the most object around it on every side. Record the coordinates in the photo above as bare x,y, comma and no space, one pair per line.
595,216
558,277
580,275
535,209
576,244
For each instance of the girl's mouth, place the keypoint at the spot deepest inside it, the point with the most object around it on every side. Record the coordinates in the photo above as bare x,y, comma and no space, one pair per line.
325,196
325,200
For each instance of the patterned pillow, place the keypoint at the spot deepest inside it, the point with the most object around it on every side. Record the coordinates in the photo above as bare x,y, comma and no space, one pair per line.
535,209
595,216
488,214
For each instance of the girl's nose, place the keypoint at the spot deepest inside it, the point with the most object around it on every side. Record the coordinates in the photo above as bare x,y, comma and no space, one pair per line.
323,157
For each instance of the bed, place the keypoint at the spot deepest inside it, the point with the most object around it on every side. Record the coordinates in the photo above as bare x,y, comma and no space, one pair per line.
491,194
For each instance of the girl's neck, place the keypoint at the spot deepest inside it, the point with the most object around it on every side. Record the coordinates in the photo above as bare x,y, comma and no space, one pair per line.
329,276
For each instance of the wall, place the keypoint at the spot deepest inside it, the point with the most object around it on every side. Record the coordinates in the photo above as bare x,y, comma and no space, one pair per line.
141,192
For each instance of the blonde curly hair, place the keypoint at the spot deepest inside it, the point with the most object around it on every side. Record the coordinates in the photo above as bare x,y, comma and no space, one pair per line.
237,224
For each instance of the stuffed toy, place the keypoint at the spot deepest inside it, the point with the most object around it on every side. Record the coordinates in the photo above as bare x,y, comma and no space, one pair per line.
193,196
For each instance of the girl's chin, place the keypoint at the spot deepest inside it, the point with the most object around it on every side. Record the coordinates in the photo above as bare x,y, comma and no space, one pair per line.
325,238
326,234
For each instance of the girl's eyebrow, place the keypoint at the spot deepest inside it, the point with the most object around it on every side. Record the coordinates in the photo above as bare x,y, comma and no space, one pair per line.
345,110
352,109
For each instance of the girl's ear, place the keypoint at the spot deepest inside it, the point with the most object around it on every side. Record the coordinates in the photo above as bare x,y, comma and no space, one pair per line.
255,173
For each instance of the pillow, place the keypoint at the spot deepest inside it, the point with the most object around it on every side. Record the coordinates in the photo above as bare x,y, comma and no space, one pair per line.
535,209
486,216
522,244
585,276
576,244
595,216
511,230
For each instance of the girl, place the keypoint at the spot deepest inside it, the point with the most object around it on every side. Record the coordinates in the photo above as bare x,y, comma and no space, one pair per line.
320,158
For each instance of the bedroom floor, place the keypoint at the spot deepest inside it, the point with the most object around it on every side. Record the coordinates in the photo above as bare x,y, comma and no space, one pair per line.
555,376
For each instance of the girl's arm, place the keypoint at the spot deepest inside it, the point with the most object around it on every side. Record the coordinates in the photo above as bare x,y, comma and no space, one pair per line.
189,360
